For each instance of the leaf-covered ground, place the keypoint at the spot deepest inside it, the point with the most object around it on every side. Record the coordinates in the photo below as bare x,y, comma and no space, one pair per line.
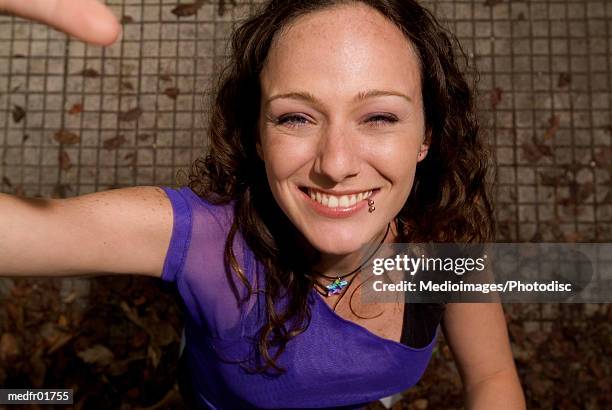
119,351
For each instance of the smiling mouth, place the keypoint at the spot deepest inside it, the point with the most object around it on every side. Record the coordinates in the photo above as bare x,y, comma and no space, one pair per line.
337,201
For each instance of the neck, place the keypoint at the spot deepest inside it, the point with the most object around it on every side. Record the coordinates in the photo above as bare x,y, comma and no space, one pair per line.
333,265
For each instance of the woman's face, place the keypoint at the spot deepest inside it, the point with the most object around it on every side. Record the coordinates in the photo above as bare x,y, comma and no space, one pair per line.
341,122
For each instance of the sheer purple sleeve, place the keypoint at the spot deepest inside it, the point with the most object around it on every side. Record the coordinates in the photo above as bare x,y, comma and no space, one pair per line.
195,262
181,234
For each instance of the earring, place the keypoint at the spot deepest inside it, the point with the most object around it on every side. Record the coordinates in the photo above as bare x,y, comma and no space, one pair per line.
371,208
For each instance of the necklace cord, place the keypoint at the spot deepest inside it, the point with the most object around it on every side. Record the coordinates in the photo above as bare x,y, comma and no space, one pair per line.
360,266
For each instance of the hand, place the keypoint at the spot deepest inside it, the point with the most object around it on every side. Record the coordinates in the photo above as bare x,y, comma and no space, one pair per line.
87,20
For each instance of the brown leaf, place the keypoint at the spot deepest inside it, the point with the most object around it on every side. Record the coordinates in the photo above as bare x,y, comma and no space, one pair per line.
130,115
126,19
565,79
66,137
171,92
18,114
154,354
114,143
127,85
7,181
188,9
534,151
162,333
25,137
89,73
98,354
9,348
496,96
59,343
553,123
76,109
165,78
64,160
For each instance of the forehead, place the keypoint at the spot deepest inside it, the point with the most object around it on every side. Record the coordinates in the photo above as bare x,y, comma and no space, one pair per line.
342,46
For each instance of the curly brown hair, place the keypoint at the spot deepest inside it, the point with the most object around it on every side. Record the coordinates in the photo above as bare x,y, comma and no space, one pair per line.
449,201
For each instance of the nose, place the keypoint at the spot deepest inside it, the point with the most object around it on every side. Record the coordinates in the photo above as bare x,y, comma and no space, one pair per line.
337,156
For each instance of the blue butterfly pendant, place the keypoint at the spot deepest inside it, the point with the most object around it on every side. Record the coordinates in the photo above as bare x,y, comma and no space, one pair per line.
336,287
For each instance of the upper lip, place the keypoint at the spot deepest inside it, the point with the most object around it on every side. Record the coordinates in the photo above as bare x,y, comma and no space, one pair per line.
339,193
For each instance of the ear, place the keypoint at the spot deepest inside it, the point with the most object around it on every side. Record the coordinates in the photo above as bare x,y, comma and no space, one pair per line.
424,146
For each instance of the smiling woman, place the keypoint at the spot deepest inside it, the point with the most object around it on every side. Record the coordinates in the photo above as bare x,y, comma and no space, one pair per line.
336,124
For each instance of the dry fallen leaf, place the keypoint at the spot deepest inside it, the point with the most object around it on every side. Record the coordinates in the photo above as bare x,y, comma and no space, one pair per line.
18,114
126,19
98,354
535,150
114,143
89,73
9,348
130,115
188,9
7,181
76,109
171,92
66,137
565,79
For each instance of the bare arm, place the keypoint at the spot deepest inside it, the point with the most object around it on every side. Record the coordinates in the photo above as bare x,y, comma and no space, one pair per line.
87,20
118,231
478,338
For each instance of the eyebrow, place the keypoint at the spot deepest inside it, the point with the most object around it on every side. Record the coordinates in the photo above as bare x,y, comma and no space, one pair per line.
363,95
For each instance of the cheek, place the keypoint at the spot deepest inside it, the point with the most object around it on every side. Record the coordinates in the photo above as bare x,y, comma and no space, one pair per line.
284,157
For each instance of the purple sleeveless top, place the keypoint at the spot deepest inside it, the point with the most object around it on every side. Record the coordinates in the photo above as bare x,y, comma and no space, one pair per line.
334,364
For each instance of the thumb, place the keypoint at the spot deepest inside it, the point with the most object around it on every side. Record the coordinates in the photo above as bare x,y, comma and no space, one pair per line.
87,20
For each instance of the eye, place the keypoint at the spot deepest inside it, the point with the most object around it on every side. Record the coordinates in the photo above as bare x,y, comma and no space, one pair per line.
292,120
380,120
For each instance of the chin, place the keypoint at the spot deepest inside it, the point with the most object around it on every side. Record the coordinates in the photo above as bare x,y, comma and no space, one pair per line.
334,245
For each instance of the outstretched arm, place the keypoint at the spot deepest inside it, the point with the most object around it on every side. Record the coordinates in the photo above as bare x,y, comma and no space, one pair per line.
123,230
478,337
87,20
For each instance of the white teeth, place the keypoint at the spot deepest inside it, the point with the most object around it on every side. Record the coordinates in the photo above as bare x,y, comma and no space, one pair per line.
343,202
333,201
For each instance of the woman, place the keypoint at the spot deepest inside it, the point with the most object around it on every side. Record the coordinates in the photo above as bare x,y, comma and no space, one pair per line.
336,123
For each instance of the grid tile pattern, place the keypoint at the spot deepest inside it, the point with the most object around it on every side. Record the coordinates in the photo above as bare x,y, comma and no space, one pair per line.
544,89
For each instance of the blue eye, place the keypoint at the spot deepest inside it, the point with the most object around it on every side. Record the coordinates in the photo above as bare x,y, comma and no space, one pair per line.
380,120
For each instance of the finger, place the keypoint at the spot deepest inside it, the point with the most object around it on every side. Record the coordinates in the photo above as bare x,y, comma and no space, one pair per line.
87,20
